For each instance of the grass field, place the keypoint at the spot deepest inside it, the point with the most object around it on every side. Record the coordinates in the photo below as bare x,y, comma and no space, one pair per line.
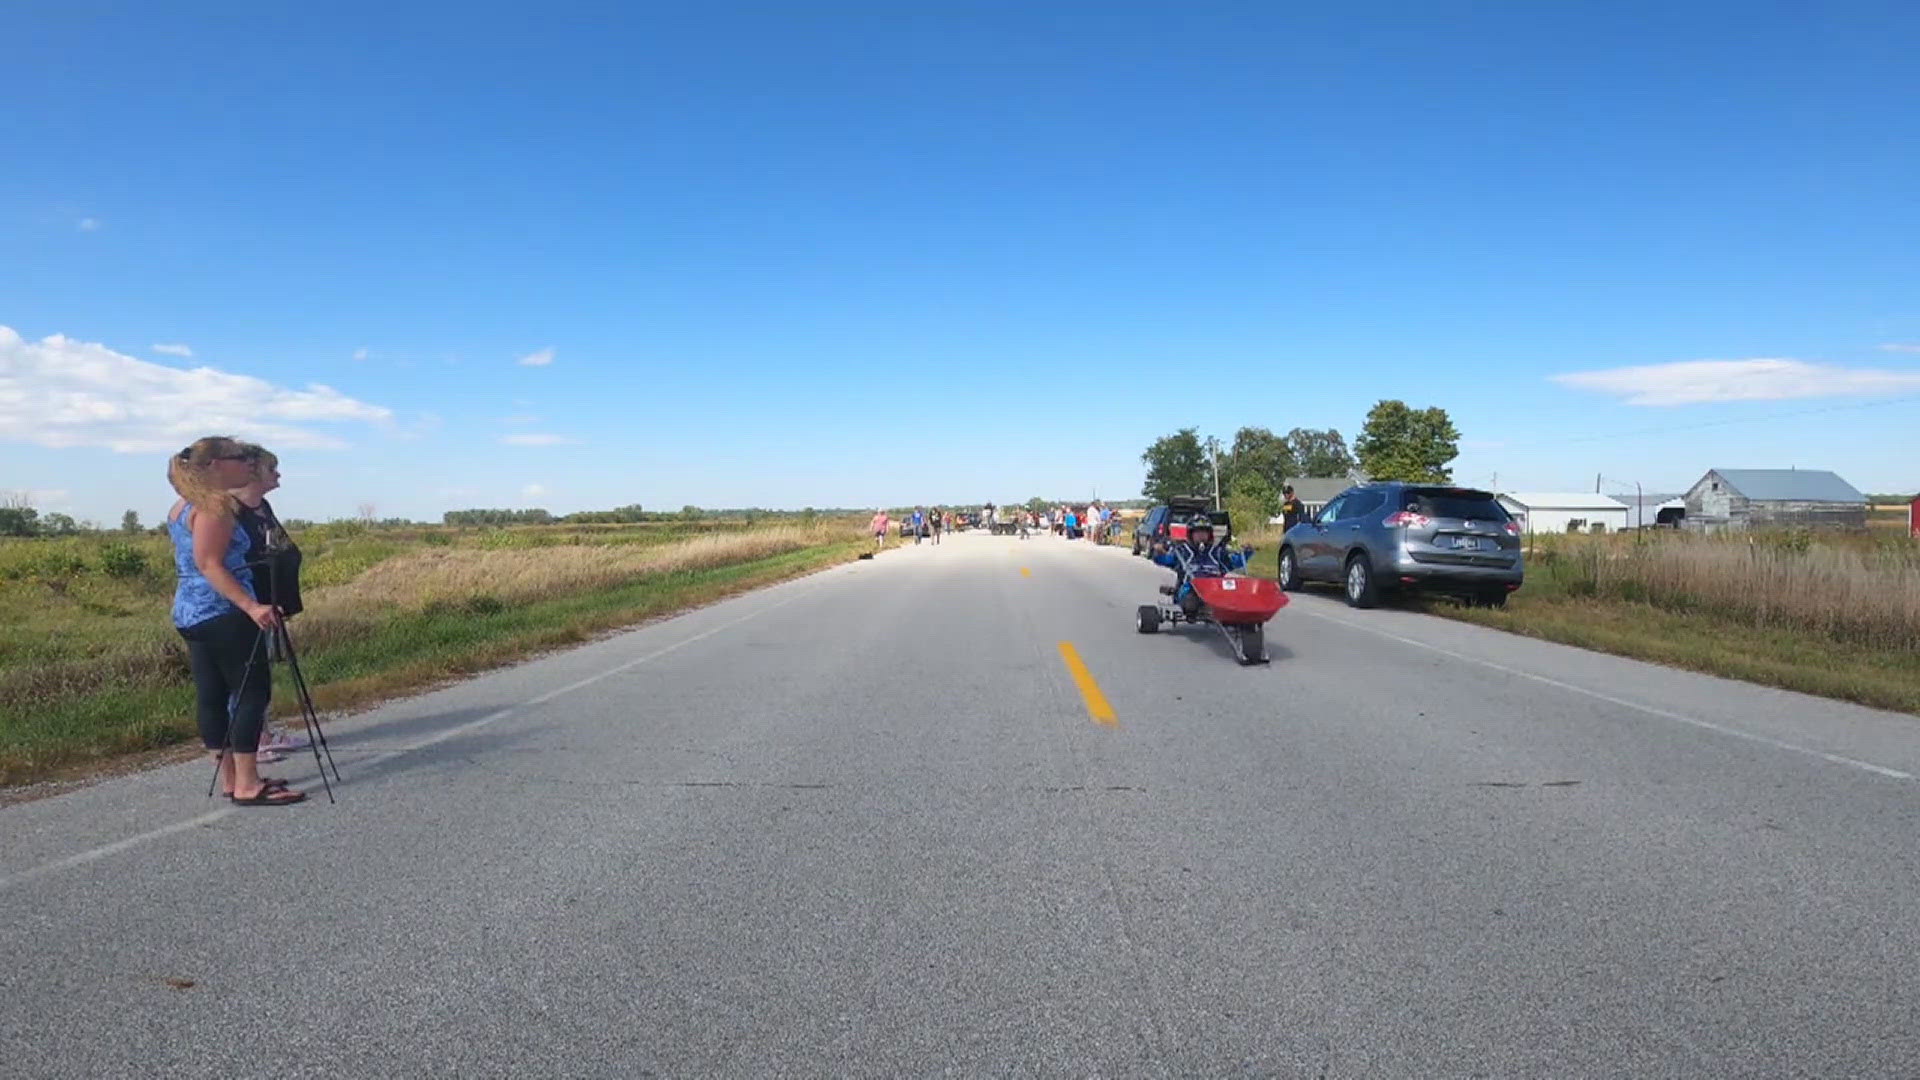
1834,614
90,666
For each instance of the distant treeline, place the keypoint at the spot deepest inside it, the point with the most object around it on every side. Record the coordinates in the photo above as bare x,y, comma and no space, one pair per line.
630,515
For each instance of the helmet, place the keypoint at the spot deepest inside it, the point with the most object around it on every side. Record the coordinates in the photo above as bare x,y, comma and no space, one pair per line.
1199,522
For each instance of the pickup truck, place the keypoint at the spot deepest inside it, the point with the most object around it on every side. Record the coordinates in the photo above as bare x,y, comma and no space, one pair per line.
1168,521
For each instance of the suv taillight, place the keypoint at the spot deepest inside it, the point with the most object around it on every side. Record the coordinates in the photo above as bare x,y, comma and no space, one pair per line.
1409,519
1513,528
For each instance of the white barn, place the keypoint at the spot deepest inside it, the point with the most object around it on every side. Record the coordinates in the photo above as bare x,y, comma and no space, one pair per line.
1563,511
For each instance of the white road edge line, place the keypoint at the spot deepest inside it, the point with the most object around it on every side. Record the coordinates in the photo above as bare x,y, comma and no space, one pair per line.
1692,721
68,862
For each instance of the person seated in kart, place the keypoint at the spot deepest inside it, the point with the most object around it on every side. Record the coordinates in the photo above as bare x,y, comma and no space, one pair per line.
1206,557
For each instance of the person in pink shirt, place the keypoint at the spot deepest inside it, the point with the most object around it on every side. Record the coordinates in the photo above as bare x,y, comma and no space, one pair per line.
879,529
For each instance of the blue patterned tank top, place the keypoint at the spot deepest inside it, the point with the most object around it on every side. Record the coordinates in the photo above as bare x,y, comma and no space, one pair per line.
195,600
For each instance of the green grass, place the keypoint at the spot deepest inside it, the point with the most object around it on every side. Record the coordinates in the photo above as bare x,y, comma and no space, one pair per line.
1756,611
90,668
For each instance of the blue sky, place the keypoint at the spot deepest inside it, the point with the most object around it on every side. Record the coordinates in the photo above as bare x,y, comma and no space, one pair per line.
841,254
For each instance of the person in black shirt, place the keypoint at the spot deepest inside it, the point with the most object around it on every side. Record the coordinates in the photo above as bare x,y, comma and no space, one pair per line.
275,558
1290,510
275,561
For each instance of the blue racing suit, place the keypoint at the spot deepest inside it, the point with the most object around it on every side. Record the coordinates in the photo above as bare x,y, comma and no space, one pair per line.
1213,560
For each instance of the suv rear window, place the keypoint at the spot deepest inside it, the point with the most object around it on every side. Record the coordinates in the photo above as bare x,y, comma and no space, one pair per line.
1454,503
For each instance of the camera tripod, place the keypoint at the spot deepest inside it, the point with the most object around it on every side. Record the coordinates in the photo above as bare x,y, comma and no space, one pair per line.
280,640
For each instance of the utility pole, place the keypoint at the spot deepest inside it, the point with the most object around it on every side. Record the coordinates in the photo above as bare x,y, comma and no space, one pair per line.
1213,451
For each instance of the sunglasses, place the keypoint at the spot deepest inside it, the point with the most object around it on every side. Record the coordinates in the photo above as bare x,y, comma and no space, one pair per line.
187,455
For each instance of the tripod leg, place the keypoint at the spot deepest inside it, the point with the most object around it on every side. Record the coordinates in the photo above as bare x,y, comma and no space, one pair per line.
316,735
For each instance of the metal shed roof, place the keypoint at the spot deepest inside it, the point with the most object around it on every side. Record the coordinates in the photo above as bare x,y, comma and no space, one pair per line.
1318,489
1562,500
1790,485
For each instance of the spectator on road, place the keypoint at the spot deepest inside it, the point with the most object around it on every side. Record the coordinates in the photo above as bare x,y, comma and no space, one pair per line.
223,623
275,561
879,526
933,524
1290,509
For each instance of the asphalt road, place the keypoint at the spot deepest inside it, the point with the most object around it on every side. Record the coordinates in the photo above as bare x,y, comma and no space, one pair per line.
864,824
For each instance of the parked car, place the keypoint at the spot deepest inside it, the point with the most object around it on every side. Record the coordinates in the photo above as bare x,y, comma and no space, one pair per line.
1382,537
1168,521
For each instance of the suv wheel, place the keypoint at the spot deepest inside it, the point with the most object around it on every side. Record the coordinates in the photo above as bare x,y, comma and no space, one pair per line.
1361,592
1289,571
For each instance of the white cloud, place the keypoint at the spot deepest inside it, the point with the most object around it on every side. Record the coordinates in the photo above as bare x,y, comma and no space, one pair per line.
1900,346
522,418
535,438
58,392
88,224
360,354
174,350
533,491
1692,382
538,359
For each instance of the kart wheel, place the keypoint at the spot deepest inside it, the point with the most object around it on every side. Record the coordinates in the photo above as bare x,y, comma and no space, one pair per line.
1253,644
1147,619
1361,592
1289,571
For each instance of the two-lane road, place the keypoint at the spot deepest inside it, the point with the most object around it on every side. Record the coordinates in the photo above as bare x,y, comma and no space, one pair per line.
867,823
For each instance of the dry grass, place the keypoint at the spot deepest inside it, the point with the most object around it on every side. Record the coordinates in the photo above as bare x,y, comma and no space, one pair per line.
91,668
1858,590
482,579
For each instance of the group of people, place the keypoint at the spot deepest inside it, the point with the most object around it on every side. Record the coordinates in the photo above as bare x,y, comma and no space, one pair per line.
238,579
1093,521
922,524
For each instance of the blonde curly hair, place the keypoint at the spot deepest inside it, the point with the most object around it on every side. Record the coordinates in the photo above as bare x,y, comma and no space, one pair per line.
191,472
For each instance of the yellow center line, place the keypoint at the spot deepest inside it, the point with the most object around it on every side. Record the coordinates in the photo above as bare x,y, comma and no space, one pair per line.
1024,572
1097,706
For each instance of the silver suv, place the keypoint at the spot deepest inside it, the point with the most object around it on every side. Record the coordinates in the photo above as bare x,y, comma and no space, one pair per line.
1386,536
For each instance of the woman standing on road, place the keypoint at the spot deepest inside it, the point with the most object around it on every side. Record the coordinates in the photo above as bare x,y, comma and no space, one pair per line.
879,526
215,610
275,561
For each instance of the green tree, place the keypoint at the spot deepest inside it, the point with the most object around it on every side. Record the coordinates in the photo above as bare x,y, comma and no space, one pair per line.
130,522
1038,505
1415,445
1176,466
59,525
1258,452
1319,453
1253,502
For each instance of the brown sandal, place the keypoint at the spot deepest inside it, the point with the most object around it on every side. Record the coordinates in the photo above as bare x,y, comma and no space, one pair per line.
272,796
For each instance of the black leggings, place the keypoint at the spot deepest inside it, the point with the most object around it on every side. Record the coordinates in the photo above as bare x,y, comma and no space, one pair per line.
231,680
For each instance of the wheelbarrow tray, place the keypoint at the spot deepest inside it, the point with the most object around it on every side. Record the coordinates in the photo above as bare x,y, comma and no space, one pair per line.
1240,601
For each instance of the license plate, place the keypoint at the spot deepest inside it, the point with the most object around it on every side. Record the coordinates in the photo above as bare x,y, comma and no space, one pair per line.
1467,543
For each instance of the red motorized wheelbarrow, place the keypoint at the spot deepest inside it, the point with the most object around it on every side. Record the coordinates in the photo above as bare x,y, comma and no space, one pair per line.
1238,606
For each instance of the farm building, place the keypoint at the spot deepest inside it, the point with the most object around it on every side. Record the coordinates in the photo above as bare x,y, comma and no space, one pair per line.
1774,498
1565,511
1647,509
